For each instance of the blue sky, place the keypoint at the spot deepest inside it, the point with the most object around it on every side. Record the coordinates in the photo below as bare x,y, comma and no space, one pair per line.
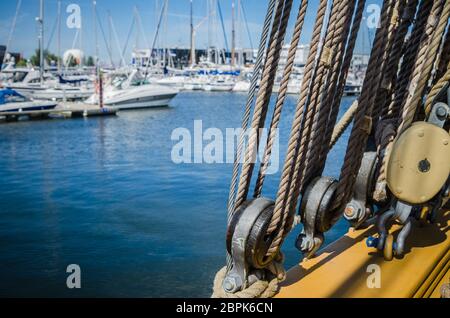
24,39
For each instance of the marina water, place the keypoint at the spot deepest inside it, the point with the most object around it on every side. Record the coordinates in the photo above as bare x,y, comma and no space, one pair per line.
103,193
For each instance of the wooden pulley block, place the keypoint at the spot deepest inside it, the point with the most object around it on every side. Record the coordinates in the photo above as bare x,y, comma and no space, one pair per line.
419,163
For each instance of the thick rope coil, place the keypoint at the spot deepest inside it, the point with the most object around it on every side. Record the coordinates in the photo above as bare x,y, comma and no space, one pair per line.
260,289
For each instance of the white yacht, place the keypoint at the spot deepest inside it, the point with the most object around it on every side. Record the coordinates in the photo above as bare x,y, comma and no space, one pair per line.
196,83
12,101
219,84
27,82
242,86
176,81
131,91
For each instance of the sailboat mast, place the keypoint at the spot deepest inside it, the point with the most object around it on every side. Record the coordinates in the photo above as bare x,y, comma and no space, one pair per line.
41,40
233,36
94,9
192,58
238,34
59,37
208,50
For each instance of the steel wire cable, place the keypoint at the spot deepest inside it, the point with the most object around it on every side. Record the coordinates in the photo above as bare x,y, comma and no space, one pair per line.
282,94
247,112
260,110
278,216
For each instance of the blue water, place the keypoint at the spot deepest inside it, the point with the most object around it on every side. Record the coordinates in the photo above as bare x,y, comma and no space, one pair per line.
104,193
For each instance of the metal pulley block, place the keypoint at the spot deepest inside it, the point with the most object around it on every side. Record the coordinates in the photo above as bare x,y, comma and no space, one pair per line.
315,215
418,176
248,243
360,208
419,164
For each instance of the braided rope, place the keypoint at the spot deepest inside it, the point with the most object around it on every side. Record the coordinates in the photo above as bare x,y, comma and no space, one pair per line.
261,289
262,102
275,274
401,83
409,59
319,127
360,132
391,71
433,52
248,106
324,62
247,112
326,144
437,88
287,170
343,124
281,96
424,63
431,41
444,59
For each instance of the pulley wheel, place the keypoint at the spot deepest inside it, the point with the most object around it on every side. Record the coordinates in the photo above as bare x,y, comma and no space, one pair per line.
233,222
259,242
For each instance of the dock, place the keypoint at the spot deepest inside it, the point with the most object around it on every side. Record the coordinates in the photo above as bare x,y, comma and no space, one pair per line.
63,110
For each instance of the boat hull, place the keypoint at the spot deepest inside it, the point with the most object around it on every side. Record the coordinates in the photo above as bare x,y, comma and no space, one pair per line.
27,106
54,94
143,102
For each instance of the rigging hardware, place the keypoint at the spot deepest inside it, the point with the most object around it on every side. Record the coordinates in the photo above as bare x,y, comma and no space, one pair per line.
418,177
248,243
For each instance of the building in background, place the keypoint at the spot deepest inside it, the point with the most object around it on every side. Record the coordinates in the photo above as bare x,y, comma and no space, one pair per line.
17,56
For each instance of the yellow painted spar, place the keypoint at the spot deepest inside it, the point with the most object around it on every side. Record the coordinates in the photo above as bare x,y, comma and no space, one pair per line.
344,268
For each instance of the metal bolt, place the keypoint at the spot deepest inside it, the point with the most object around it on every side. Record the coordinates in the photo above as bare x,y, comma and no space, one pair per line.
352,212
441,112
232,283
424,166
349,211
229,285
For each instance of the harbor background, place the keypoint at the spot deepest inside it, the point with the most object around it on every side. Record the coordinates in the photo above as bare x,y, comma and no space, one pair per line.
104,193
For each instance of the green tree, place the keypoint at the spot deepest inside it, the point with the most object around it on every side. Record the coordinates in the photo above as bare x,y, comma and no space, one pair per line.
90,61
48,57
21,63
